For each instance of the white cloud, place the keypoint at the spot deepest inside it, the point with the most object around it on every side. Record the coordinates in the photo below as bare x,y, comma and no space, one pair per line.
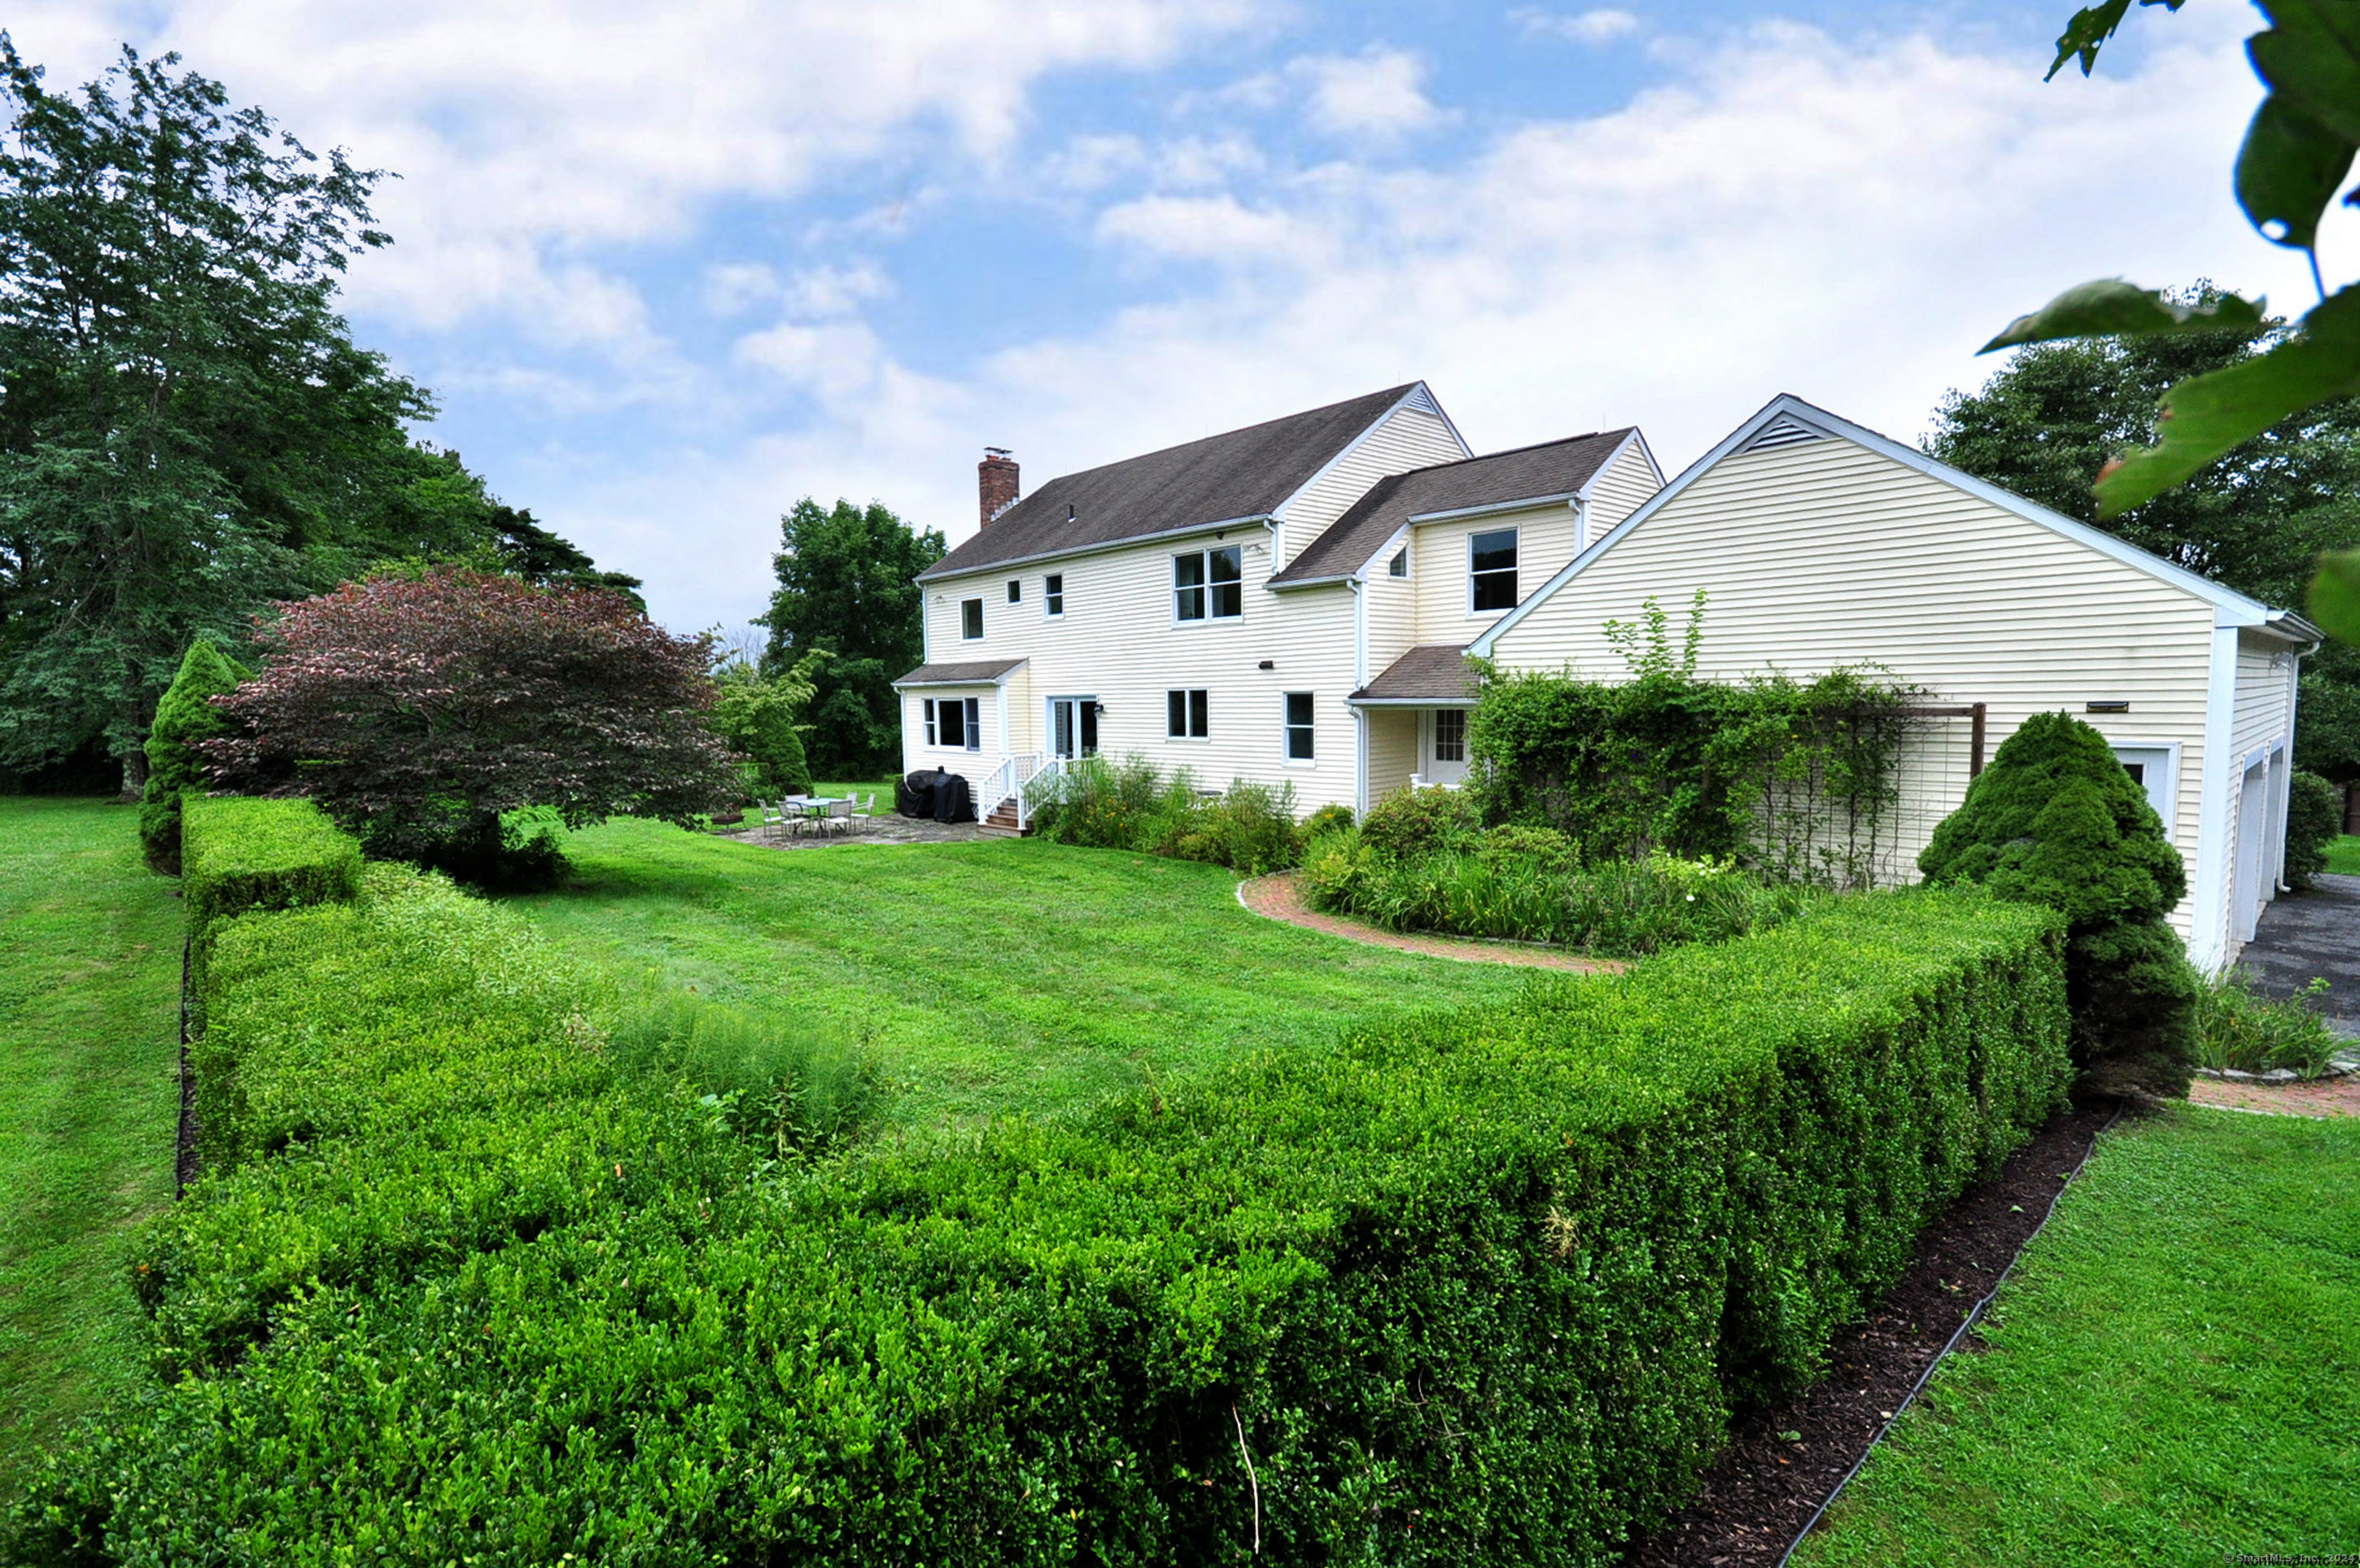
1846,221
1598,27
526,133
1379,92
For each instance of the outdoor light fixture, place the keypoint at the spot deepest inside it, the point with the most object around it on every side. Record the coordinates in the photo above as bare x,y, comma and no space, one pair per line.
1268,664
2111,705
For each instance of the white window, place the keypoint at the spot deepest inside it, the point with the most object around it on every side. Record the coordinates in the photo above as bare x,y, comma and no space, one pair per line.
1208,583
2154,769
954,723
1450,734
1399,565
971,619
1016,591
1298,726
1053,588
1492,571
1185,715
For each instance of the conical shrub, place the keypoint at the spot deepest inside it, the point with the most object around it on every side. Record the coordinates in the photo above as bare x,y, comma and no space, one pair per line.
183,717
2056,820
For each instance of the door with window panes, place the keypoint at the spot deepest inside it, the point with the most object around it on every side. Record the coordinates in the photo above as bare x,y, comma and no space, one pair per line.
1446,745
1073,726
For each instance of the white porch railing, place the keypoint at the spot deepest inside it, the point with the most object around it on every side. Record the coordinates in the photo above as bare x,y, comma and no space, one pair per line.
1007,782
1038,785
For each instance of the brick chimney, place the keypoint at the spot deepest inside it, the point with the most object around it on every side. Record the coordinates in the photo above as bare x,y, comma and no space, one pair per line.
995,482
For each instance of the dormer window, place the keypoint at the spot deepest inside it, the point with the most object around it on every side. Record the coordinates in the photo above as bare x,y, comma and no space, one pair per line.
1492,571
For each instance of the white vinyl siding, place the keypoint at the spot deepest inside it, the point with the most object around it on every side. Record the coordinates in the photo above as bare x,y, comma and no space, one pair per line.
1391,612
1392,749
1116,640
1826,553
1615,495
926,744
1409,437
1438,572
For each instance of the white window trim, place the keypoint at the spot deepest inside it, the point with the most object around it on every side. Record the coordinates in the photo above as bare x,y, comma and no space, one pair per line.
1016,590
931,744
1407,565
1471,536
980,629
1205,586
1433,725
1205,739
1287,728
2169,810
1052,597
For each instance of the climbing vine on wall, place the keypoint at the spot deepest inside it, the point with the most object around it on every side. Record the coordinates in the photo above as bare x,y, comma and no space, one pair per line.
1800,780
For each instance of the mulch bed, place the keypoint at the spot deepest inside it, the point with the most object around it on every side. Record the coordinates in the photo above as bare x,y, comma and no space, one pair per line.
1763,1489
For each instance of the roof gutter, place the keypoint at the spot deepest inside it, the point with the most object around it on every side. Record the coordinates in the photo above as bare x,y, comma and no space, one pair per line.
937,574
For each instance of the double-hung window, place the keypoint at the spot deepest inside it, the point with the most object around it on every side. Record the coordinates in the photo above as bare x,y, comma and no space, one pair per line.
1298,726
971,619
1053,590
954,723
1185,715
1492,571
1016,591
1210,584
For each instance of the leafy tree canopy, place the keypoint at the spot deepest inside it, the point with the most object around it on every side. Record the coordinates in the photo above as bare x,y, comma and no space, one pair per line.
846,584
2256,518
2298,150
187,430
420,710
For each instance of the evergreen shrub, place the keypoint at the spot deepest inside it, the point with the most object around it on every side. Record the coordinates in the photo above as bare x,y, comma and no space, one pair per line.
240,854
2056,820
1480,1286
183,717
1411,823
1329,818
2314,817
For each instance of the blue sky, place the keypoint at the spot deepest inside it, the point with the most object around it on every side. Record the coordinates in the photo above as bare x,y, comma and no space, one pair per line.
668,272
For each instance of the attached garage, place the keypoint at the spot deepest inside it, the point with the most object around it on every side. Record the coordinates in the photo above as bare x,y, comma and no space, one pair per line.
1819,544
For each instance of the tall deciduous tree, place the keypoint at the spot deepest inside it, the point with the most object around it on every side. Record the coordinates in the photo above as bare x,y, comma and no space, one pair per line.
2257,519
2298,151
419,710
846,584
187,430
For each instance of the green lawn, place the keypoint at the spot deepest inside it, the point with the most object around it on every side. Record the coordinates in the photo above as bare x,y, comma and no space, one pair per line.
2344,856
90,978
1009,975
2174,1374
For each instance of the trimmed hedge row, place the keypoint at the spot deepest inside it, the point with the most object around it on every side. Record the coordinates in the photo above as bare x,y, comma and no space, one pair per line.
243,853
1482,1286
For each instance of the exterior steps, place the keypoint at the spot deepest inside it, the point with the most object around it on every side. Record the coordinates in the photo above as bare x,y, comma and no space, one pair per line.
1002,823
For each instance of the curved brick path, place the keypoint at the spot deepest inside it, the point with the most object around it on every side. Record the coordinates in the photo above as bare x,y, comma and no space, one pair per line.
1279,899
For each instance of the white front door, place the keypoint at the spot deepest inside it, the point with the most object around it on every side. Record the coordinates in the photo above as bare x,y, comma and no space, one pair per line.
1445,749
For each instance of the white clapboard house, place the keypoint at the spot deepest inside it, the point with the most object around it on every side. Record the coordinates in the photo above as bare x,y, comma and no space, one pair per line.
1821,544
1279,603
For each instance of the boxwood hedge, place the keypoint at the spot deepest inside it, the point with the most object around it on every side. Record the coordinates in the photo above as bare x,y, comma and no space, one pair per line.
1484,1286
242,853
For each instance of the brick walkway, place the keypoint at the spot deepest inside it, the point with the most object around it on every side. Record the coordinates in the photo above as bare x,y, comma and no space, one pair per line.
1279,899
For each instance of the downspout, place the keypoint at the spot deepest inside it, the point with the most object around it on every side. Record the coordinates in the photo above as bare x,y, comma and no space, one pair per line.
1359,682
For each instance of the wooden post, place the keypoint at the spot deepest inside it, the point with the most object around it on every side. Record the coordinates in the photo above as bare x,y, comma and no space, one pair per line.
1975,763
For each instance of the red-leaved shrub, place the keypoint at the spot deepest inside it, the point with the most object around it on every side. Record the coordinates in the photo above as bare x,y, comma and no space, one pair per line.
418,710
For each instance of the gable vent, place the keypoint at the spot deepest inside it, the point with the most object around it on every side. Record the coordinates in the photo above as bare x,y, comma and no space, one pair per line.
1784,430
1422,400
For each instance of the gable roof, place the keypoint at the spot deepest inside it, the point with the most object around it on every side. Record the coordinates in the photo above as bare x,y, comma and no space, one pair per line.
1553,471
1236,476
1787,420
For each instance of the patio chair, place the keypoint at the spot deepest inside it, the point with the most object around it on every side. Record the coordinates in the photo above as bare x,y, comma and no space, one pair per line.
838,814
790,811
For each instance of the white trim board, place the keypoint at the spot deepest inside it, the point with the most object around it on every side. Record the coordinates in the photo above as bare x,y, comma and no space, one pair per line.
2230,607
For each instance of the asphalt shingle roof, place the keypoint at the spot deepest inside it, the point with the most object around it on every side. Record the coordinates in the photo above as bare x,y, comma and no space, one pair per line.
974,672
1241,473
1553,468
1431,672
